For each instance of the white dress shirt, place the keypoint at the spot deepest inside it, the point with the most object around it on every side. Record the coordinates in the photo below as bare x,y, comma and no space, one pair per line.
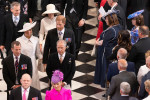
142,72
62,35
27,92
18,18
39,5
15,58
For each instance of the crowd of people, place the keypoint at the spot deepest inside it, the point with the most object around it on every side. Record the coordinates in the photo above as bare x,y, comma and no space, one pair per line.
122,48
40,30
51,31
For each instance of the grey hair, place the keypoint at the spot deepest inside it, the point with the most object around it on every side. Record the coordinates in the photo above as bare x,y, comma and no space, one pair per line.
122,53
61,40
125,87
14,4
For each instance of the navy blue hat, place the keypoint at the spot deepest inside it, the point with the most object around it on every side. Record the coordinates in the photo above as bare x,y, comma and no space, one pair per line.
135,14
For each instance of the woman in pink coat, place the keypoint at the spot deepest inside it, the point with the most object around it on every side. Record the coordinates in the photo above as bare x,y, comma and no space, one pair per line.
58,92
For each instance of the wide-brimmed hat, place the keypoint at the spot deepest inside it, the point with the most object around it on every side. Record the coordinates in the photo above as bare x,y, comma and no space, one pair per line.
109,12
27,26
135,14
50,8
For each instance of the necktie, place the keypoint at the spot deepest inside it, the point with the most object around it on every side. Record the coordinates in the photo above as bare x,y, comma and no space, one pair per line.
16,69
16,64
60,35
24,95
15,20
61,59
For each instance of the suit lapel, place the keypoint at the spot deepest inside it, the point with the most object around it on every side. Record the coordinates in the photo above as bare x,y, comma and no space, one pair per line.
11,20
19,20
20,94
12,65
64,34
57,58
30,94
65,59
20,61
56,35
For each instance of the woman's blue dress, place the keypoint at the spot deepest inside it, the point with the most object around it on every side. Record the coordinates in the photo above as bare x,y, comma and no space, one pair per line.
109,37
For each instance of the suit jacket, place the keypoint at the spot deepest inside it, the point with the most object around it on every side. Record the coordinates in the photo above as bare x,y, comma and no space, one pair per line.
10,31
142,93
114,89
67,66
127,98
9,69
121,16
137,53
113,69
16,94
51,40
32,7
80,6
123,98
123,4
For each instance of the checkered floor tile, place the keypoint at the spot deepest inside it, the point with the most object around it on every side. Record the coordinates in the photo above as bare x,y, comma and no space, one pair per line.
83,87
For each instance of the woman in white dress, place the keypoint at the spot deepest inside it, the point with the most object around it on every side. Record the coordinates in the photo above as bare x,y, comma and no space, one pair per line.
47,23
30,47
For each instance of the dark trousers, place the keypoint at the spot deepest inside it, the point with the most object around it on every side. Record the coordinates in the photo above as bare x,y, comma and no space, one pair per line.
37,18
72,23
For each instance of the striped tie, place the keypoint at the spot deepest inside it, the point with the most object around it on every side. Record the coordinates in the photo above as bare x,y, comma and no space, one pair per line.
16,64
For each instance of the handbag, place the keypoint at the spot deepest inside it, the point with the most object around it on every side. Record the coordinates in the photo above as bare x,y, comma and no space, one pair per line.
94,51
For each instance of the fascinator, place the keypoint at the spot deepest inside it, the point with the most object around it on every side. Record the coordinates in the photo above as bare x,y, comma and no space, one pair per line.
57,76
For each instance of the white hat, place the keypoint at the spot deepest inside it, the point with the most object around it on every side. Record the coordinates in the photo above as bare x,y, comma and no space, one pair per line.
109,12
27,26
50,9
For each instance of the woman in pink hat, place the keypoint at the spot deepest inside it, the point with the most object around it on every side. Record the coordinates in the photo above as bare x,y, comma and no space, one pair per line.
58,92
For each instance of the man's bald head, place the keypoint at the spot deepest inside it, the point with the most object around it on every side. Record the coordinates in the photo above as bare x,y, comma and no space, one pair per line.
122,64
26,81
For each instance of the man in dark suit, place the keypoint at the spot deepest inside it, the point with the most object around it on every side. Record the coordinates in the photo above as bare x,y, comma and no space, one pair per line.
121,15
123,76
76,13
58,33
25,92
142,92
63,61
12,23
138,50
123,4
125,92
15,65
113,67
